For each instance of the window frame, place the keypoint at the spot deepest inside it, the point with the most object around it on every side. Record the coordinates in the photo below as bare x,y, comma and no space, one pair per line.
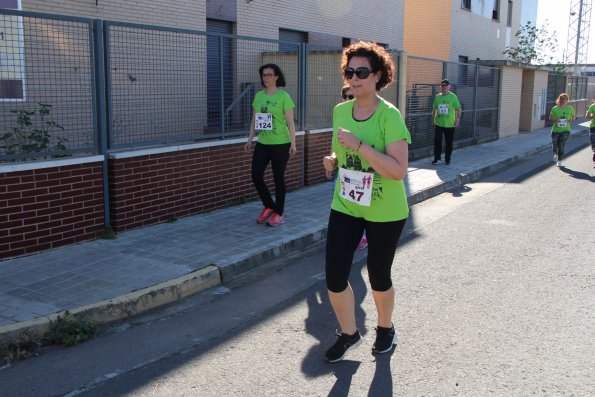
18,67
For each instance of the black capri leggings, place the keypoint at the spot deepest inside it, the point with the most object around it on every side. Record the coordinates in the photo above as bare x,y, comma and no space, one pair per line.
344,233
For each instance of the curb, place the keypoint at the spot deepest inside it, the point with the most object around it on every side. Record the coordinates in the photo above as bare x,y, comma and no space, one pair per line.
140,301
118,308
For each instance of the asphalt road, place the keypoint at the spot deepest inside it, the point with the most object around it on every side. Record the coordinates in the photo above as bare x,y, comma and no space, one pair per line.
494,285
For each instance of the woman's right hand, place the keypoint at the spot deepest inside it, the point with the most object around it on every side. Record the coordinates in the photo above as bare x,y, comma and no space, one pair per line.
329,163
248,147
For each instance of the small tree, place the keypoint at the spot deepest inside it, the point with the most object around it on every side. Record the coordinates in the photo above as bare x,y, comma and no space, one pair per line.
536,45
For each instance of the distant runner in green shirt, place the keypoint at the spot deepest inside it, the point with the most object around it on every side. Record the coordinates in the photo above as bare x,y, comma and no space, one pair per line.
591,116
446,113
272,117
562,115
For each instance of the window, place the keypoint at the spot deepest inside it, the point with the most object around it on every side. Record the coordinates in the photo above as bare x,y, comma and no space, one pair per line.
12,72
509,16
291,39
463,70
495,10
466,4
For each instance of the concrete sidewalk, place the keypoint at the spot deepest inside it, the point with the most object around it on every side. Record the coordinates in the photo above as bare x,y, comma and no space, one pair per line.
109,280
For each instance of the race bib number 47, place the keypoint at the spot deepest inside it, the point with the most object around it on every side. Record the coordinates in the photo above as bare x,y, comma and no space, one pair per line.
356,186
263,121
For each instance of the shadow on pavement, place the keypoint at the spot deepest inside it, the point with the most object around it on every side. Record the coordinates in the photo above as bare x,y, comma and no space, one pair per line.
578,174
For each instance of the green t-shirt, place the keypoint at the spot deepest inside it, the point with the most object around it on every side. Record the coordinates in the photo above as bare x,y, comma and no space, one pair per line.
592,111
388,197
276,105
564,115
446,107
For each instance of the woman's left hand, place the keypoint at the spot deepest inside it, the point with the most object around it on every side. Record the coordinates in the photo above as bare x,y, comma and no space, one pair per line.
347,139
292,149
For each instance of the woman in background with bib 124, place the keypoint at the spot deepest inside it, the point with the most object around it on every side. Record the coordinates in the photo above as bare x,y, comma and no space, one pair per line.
272,117
370,141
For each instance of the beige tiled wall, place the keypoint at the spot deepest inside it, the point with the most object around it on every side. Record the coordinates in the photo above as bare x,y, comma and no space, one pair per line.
533,83
427,28
372,20
189,14
476,36
510,96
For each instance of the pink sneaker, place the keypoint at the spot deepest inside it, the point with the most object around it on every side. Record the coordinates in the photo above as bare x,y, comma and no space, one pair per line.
275,220
264,215
363,243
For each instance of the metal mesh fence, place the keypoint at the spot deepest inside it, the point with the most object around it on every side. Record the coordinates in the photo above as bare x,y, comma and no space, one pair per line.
170,85
574,86
165,85
46,86
477,88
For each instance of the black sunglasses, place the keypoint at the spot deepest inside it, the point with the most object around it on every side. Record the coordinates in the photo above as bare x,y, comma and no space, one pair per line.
361,73
348,97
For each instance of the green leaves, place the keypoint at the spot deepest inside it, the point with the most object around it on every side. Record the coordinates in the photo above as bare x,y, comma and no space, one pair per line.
33,133
536,45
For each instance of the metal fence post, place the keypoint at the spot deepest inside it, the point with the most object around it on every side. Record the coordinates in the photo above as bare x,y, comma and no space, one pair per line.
303,85
100,111
475,84
402,83
222,89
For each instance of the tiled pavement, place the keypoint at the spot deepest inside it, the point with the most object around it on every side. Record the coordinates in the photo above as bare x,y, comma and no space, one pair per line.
163,259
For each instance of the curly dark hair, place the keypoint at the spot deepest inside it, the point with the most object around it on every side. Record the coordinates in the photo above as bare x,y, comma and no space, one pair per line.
380,60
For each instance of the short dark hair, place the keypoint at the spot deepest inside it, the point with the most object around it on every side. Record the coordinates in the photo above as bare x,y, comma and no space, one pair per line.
278,72
379,58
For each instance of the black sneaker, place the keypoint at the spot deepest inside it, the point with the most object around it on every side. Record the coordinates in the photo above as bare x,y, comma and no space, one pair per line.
385,339
436,162
343,344
447,162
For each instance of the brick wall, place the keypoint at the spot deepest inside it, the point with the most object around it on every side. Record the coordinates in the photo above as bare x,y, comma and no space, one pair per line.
153,187
318,145
49,207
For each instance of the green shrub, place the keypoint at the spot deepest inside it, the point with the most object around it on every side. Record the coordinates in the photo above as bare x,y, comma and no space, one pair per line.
68,331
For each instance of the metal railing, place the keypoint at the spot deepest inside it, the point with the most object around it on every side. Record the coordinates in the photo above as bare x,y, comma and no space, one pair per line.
47,86
115,85
477,88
